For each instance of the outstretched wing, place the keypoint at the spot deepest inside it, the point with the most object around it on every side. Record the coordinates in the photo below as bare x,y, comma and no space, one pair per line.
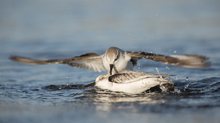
189,61
91,61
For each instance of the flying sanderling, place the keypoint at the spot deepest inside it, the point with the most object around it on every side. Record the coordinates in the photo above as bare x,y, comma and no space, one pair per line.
116,60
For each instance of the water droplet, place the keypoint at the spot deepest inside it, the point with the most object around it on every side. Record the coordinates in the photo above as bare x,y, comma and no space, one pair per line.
138,66
188,83
158,72
168,68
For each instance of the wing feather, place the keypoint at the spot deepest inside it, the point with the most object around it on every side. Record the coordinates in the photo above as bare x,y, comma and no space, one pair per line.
91,61
189,61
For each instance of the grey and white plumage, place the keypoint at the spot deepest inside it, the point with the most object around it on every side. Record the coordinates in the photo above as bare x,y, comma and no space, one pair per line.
116,60
132,82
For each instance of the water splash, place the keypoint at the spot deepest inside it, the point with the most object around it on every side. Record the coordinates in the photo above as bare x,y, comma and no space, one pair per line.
138,66
188,83
158,72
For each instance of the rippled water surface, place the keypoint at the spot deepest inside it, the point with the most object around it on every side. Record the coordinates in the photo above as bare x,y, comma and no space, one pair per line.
56,93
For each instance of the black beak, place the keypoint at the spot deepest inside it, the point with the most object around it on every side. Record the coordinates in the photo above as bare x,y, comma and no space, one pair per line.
111,67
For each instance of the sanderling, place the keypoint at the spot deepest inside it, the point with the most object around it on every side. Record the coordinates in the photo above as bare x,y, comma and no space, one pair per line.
132,82
115,60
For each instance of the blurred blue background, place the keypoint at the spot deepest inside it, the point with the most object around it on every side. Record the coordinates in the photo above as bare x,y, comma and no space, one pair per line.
109,22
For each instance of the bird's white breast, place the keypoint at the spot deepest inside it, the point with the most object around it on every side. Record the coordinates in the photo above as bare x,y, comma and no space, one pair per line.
123,63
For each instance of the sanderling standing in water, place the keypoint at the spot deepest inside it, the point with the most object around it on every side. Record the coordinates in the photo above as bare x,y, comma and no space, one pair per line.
132,82
116,60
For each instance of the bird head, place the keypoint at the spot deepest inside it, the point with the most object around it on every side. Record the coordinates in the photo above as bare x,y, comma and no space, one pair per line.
112,55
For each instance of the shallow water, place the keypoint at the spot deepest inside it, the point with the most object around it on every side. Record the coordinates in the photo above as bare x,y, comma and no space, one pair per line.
55,93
